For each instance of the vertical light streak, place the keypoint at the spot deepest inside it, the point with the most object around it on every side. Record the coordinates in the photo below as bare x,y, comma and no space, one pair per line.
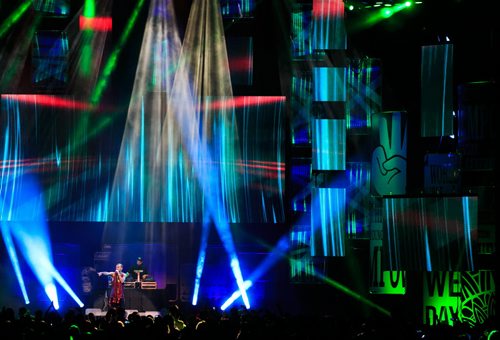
328,25
389,242
428,259
329,84
467,232
443,100
396,231
436,90
328,222
328,144
142,166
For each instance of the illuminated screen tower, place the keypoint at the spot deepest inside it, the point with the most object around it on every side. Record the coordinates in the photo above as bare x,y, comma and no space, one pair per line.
329,76
318,129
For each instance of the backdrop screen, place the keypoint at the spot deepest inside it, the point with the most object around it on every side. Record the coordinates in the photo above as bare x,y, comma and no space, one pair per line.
73,151
430,233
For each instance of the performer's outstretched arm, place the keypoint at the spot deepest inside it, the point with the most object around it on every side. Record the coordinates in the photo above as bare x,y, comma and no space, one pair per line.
105,273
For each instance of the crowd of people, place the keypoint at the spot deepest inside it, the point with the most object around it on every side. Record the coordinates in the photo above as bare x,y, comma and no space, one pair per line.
211,323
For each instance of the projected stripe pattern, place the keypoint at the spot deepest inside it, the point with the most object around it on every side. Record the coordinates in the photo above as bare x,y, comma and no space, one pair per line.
328,222
236,8
301,31
430,233
437,91
328,25
38,137
52,7
301,101
329,151
364,93
329,84
303,267
358,214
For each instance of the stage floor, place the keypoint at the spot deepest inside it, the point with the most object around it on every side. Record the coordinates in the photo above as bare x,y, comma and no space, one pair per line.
100,312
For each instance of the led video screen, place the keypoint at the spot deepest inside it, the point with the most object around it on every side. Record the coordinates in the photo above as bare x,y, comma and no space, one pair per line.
303,267
301,101
50,60
301,169
59,8
329,84
430,233
329,31
389,140
437,90
301,31
329,144
358,198
236,8
328,222
364,93
73,150
240,56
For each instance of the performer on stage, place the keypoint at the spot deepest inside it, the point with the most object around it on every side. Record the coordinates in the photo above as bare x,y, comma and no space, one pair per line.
116,297
138,272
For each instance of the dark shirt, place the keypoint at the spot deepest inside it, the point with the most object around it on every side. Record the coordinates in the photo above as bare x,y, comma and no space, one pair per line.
133,275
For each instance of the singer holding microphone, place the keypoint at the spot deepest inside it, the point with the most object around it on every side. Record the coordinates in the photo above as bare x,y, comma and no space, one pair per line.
116,297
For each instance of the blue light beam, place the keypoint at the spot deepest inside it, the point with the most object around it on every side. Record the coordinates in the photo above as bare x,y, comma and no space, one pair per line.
9,243
276,254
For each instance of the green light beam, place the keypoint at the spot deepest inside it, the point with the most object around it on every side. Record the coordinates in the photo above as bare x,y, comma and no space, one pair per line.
14,17
18,55
113,58
352,293
89,9
331,282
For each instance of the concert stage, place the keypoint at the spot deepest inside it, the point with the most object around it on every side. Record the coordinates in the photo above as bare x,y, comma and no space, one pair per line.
100,312
137,299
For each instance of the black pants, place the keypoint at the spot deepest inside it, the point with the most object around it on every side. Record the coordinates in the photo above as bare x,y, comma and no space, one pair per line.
120,304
